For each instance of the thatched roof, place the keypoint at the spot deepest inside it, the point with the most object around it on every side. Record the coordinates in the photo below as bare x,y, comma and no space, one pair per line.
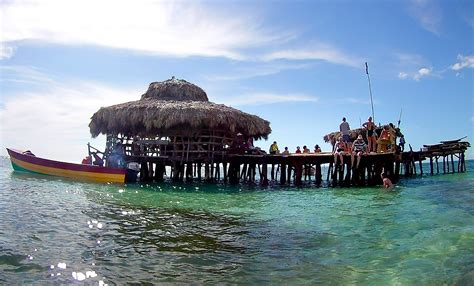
171,107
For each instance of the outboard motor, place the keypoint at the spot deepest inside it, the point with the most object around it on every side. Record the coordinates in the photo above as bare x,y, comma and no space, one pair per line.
133,168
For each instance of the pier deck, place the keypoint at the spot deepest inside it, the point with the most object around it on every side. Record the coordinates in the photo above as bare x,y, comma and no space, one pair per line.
299,168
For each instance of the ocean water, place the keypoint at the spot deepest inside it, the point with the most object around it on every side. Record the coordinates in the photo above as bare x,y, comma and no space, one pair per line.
55,231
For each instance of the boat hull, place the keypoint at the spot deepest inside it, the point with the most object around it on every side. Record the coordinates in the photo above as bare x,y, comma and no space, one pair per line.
27,163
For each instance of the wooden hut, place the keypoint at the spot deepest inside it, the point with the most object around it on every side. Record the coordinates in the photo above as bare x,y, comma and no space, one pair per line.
174,120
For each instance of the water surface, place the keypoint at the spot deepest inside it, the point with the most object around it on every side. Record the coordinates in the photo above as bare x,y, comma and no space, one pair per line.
56,231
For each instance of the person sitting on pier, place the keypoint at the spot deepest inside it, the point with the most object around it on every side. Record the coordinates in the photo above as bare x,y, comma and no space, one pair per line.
298,150
274,148
317,149
371,135
286,152
401,144
358,148
306,150
339,149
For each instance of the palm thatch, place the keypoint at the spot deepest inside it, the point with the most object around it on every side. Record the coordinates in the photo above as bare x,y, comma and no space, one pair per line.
175,107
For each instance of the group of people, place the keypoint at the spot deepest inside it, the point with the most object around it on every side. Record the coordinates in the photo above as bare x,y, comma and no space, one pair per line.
385,142
274,149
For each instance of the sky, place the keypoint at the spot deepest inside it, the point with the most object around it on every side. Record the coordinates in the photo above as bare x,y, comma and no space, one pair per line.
298,64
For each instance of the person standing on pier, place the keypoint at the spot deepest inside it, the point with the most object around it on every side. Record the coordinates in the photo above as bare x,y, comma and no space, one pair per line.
346,132
298,150
371,135
401,143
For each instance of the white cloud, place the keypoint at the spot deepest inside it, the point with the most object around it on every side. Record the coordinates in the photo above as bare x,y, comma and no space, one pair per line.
463,62
257,71
176,28
418,75
6,52
53,121
402,75
261,98
428,13
321,52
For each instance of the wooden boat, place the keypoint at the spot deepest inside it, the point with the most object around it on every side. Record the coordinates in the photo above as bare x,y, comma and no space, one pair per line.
24,162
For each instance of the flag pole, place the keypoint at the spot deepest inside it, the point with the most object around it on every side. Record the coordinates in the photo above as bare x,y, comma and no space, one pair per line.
370,90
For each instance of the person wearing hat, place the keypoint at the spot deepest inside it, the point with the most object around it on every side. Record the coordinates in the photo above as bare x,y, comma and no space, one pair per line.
358,148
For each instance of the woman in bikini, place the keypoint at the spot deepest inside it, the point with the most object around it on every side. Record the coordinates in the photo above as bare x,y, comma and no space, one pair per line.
371,136
339,149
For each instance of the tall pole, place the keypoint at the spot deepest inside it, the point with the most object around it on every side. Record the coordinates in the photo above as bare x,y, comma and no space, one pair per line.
370,90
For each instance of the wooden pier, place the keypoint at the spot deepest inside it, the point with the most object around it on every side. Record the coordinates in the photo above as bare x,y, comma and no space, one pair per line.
173,131
298,169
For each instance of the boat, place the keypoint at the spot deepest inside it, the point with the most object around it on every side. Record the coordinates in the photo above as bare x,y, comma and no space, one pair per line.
25,161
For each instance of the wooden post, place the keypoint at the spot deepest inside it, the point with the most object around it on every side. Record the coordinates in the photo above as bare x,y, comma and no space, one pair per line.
199,171
263,178
273,172
444,164
288,177
144,175
206,172
318,175
298,173
421,167
431,165
452,162
189,172
181,172
159,172
437,165
330,167
211,173
283,174
347,179
244,172
224,168
397,170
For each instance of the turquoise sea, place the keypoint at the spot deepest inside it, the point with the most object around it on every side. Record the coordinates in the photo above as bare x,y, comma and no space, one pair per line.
55,231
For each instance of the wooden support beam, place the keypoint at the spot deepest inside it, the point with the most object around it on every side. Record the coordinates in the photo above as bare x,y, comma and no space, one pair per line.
283,174
263,177
452,162
318,175
298,173
431,166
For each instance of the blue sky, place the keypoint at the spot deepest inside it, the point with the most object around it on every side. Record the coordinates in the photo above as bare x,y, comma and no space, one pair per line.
298,64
